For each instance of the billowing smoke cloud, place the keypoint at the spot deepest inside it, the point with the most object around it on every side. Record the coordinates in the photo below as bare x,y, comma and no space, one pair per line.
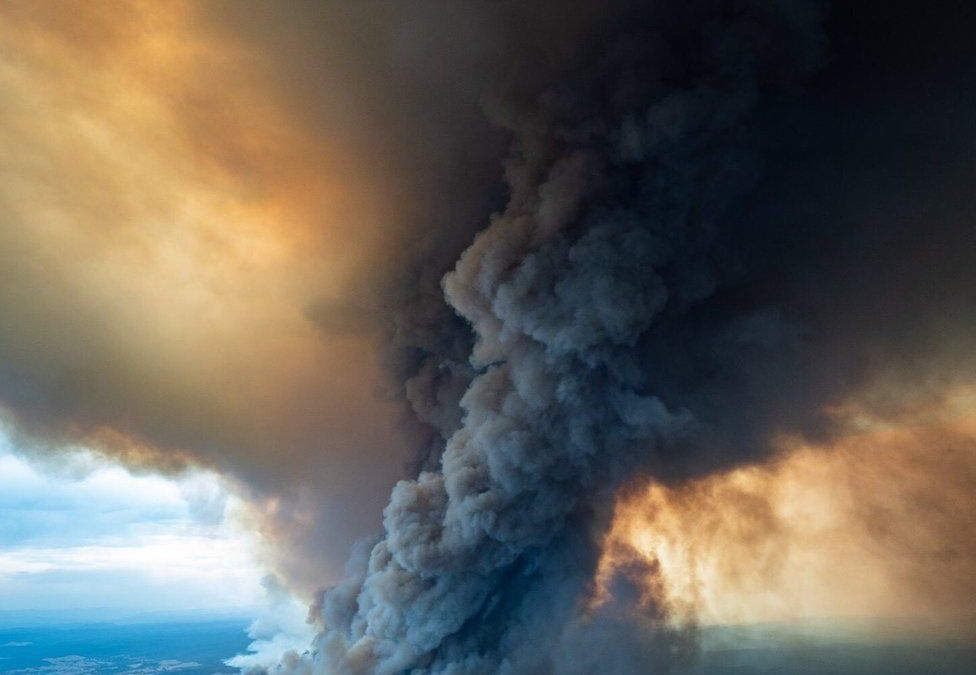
620,177
640,306
717,222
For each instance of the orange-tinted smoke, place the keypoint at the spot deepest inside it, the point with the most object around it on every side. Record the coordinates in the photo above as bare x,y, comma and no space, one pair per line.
165,223
878,523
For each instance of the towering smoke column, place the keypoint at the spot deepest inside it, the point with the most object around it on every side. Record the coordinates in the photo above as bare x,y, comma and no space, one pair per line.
620,176
719,234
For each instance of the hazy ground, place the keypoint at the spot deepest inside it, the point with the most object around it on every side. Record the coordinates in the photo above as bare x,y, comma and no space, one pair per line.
30,644
146,645
848,647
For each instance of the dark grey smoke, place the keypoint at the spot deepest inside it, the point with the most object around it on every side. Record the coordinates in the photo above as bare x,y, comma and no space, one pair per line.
701,249
627,154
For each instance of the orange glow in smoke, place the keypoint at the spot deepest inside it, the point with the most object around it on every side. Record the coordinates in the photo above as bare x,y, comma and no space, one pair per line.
877,523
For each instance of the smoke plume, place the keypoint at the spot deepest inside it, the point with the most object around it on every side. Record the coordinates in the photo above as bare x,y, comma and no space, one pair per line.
640,306
624,164
716,223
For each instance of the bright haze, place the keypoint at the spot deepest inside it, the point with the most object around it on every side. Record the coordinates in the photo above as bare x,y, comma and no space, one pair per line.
541,336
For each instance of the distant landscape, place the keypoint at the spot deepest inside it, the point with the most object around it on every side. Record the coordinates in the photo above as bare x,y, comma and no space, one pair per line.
133,645
834,647
156,643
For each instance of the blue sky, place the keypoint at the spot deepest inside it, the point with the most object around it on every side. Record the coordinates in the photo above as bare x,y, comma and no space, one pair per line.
79,533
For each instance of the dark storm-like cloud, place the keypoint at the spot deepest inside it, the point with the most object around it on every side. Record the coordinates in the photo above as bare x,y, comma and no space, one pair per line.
696,256
714,223
625,160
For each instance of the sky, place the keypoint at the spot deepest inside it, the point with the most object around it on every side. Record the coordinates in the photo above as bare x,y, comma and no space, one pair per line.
89,535
508,337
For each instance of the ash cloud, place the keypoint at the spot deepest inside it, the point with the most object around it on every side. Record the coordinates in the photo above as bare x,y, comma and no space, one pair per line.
714,221
677,279
625,162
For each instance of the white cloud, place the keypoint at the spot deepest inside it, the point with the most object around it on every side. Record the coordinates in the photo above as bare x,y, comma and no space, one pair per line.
281,627
112,539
